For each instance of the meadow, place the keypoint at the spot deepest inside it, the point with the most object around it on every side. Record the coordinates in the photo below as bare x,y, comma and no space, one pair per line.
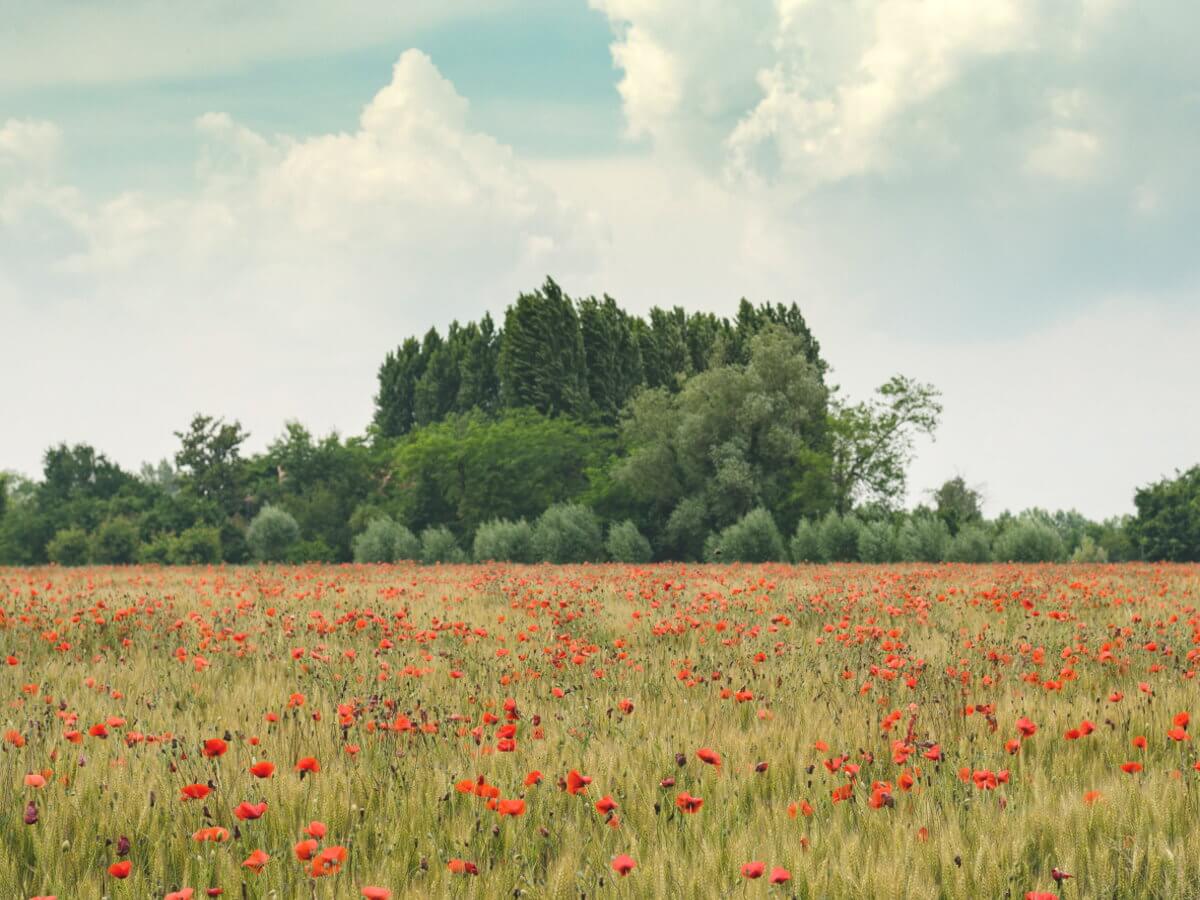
667,730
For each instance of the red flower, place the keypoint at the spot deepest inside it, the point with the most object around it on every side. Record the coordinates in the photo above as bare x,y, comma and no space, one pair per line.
214,747
462,867
256,860
753,869
780,875
688,803
262,769
195,791
120,869
245,810
577,783
623,864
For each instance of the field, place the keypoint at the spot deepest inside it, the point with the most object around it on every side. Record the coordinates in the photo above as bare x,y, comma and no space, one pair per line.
493,731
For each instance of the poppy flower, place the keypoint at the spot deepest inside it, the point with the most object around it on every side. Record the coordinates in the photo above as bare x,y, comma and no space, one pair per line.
120,869
1181,720
1140,742
753,869
1091,797
1026,727
262,769
709,756
511,807
1131,768
315,829
195,791
1178,734
623,864
687,803
246,810
605,805
534,777
780,875
181,894
256,861
305,849
462,867
577,783
328,862
214,747
308,764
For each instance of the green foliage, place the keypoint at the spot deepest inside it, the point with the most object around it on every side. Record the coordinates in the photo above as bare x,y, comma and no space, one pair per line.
541,354
504,540
385,541
805,546
972,544
924,538
272,534
439,545
1167,526
732,438
1089,551
568,533
115,542
872,442
878,542
752,538
1030,538
470,469
626,544
69,547
198,545
957,504
210,464
838,537
160,549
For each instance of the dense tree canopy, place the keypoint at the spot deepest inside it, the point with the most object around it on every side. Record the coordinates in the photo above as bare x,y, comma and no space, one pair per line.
575,431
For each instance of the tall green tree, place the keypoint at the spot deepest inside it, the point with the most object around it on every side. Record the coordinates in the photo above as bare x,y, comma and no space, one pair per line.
542,363
872,441
398,376
1167,525
957,504
210,462
611,355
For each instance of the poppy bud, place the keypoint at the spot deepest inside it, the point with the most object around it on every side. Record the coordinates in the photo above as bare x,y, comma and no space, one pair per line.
31,813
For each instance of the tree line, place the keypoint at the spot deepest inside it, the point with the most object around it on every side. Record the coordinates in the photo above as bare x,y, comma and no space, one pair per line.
574,432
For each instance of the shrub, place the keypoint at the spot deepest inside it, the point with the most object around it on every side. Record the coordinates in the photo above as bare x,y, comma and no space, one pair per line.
924,538
626,544
752,538
568,533
385,541
970,545
271,534
837,537
161,549
439,545
198,545
68,547
315,550
1089,551
115,542
877,543
1029,540
806,544
504,540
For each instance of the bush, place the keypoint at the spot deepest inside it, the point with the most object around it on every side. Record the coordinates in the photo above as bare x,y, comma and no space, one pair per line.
626,544
877,543
68,547
198,545
385,541
806,543
568,533
115,542
752,538
159,549
271,534
1089,551
924,538
970,545
439,545
504,540
1030,540
315,550
837,537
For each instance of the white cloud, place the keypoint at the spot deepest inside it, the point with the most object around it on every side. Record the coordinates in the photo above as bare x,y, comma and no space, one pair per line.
294,266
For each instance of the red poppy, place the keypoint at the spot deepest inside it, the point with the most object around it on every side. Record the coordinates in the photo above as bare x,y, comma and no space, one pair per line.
753,869
246,810
262,769
687,803
120,869
623,864
462,867
256,860
195,791
780,875
215,747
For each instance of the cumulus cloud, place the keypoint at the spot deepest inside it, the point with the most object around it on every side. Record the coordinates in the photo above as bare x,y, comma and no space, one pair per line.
371,235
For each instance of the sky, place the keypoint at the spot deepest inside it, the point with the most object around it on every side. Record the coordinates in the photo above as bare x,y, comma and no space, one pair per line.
240,208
